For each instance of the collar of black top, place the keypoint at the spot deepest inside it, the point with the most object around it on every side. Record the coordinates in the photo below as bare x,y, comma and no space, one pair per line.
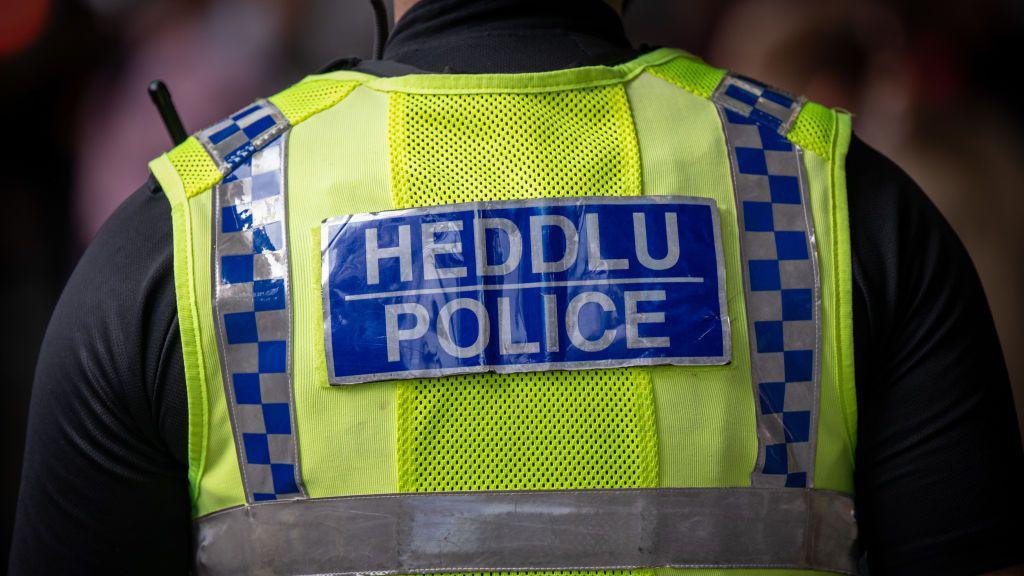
505,36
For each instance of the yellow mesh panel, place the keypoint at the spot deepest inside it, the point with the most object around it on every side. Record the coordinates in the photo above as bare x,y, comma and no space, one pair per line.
194,166
550,430
553,430
813,129
311,96
460,147
691,74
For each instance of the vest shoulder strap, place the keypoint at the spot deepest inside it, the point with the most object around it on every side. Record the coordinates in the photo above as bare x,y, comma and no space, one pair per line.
206,157
807,124
212,153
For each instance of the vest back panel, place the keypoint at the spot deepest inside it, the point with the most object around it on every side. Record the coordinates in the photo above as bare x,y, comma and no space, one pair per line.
651,127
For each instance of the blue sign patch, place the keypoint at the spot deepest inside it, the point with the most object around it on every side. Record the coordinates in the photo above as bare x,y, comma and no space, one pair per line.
521,286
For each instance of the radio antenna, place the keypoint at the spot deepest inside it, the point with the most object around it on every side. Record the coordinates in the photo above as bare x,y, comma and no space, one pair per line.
161,98
380,24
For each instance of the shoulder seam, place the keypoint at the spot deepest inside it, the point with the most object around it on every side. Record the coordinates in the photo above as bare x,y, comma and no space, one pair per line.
691,74
206,157
311,96
806,124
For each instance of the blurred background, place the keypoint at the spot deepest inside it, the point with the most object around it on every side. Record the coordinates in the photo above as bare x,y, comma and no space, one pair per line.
932,85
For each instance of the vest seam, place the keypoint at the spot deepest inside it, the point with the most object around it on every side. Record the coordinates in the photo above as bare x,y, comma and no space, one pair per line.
358,84
621,75
223,168
838,187
812,241
685,87
204,424
648,371
184,281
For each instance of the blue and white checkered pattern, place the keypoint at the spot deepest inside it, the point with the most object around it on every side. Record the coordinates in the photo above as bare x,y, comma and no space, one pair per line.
782,294
232,140
768,107
253,310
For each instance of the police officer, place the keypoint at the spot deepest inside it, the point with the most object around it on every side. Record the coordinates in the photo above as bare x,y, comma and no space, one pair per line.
632,312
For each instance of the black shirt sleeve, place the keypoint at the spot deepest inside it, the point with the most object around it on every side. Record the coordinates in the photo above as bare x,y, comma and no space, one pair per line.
939,461
104,486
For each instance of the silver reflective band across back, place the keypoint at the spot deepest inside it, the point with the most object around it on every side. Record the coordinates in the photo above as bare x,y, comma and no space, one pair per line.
534,530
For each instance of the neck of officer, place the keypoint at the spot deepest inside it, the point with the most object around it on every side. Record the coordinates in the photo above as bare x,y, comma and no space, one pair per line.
508,36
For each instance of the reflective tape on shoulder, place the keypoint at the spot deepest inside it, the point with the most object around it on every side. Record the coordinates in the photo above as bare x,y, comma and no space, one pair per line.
534,530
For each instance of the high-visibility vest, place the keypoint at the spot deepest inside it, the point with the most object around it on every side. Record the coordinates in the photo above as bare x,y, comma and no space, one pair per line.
369,394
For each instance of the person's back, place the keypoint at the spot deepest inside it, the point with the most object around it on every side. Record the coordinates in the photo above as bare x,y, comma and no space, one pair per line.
599,314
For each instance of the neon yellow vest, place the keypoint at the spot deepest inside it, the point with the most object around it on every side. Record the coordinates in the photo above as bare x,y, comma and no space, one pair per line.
742,468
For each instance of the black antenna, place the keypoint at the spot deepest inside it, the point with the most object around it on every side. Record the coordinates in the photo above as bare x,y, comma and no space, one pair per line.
380,21
161,98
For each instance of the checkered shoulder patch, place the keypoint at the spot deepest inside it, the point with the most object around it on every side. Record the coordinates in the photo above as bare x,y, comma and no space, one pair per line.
781,281
234,139
251,289
768,107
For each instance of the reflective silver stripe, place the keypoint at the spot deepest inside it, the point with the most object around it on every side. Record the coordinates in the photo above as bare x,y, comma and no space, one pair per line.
251,290
535,530
751,99
780,272
234,139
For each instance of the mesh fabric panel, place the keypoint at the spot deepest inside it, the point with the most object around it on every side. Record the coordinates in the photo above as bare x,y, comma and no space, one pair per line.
309,97
550,430
813,129
690,74
194,166
461,147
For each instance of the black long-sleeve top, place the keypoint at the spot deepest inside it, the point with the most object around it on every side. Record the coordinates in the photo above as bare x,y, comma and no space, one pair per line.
938,463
